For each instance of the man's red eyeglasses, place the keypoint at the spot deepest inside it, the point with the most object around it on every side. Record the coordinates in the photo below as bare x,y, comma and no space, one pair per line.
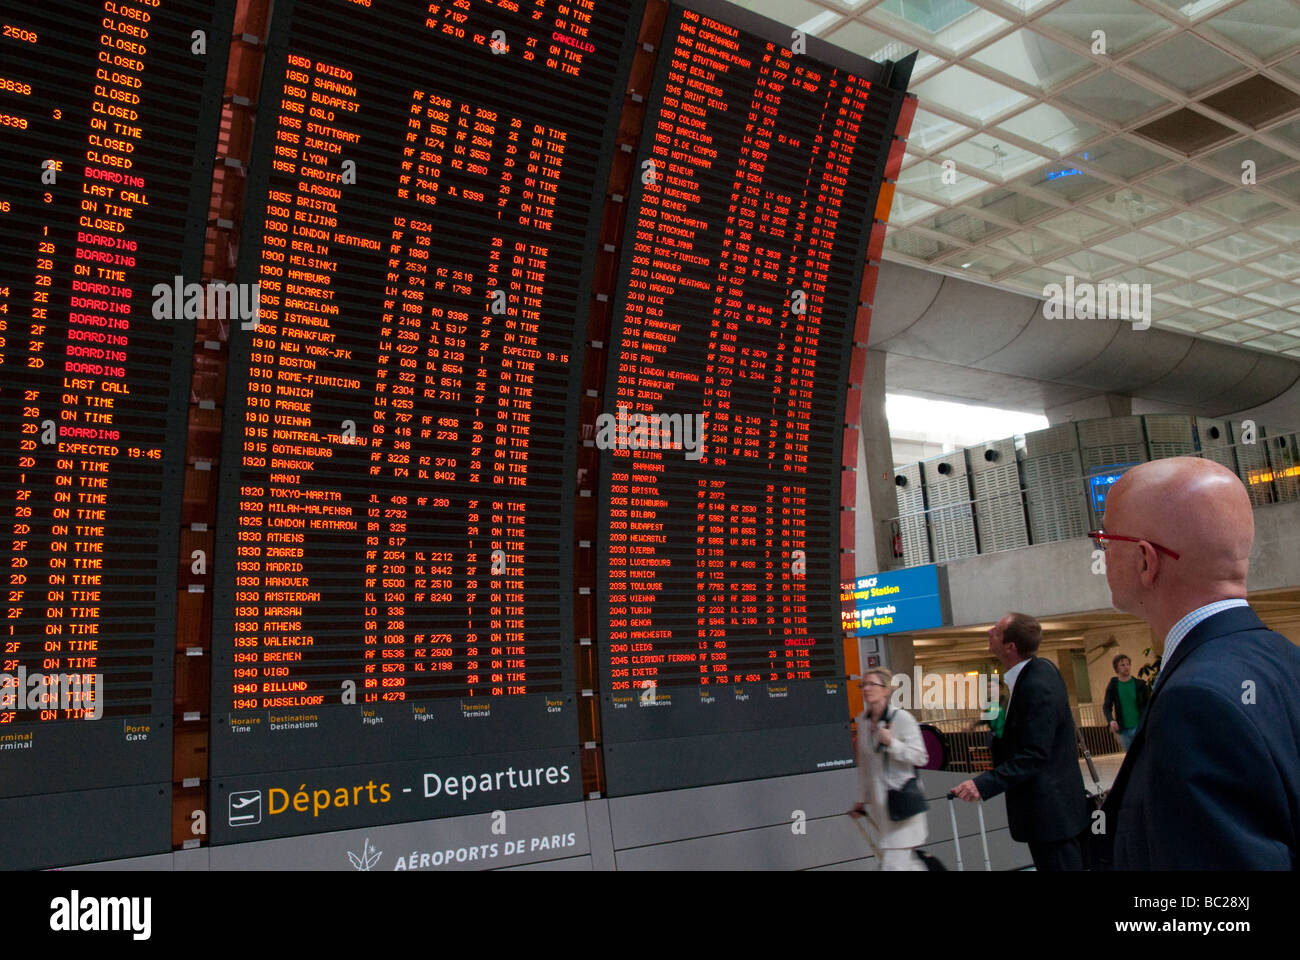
1099,539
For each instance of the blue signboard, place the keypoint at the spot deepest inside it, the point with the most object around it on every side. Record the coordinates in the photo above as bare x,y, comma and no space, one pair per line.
1099,485
897,602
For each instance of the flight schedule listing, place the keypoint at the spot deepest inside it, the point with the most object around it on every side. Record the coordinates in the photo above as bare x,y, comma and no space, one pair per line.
720,498
104,107
397,472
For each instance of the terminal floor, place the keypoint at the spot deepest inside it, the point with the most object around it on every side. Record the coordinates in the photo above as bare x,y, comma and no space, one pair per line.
1107,766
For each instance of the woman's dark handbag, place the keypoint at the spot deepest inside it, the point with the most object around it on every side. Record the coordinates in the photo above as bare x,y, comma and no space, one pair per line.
907,801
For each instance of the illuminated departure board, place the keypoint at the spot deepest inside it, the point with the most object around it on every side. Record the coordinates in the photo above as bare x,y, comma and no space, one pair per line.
719,512
107,124
393,600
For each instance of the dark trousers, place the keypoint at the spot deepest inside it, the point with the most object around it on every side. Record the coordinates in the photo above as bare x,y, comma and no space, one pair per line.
1056,855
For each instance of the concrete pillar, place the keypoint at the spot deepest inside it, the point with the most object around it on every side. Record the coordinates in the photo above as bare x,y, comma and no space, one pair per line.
877,503
864,536
1065,663
1089,408
898,654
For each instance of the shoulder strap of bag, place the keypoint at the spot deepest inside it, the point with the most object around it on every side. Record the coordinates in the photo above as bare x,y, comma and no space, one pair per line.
887,718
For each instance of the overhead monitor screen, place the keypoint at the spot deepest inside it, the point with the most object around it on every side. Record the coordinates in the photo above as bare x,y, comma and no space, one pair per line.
393,607
718,538
108,115
1099,484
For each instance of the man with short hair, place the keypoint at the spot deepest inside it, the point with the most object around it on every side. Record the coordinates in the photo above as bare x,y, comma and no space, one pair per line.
1035,760
1126,699
1212,778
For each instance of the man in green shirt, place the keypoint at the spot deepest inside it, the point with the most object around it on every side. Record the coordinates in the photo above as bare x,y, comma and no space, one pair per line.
996,713
994,716
1126,700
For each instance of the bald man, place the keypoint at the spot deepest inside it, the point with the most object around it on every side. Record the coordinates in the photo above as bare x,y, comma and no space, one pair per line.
1212,780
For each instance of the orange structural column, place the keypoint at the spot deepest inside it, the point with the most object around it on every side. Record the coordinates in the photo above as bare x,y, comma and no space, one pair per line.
853,396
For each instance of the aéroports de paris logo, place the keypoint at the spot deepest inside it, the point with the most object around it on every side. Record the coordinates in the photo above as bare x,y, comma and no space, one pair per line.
368,857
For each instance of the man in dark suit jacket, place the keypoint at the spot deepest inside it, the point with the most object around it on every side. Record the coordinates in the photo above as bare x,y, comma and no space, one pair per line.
1035,761
1212,780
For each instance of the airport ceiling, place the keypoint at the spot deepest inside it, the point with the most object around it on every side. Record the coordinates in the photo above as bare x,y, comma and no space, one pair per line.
946,338
1122,167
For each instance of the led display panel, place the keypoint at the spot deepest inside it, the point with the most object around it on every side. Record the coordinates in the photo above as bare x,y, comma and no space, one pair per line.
108,116
393,601
718,530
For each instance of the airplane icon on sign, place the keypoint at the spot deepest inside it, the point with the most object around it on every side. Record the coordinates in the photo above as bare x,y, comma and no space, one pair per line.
245,808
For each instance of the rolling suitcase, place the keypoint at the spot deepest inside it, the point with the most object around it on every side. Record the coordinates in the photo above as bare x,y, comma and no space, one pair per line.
956,841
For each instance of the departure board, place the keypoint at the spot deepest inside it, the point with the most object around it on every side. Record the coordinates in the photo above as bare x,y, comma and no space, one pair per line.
719,511
107,125
393,599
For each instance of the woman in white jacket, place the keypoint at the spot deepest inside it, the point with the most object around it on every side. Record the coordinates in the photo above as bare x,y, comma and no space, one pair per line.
890,748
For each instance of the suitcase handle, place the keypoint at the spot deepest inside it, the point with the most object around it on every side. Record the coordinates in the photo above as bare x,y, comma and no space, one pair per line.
956,842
